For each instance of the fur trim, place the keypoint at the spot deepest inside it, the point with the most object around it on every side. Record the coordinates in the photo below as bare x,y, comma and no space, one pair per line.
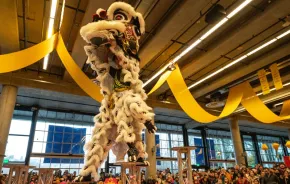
89,170
91,29
88,146
120,5
99,11
141,22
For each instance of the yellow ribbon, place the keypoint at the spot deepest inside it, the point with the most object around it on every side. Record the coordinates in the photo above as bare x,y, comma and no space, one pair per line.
160,81
76,73
255,106
276,76
264,81
21,59
190,105
242,93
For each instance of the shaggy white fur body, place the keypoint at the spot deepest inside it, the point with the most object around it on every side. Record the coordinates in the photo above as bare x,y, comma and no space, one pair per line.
122,114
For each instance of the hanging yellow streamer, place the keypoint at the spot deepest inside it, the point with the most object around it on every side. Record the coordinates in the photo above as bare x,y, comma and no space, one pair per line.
21,59
24,58
255,106
160,81
76,73
264,81
242,93
276,76
190,105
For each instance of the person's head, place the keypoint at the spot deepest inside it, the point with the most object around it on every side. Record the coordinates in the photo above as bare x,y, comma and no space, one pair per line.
216,175
252,174
226,180
256,181
262,174
286,174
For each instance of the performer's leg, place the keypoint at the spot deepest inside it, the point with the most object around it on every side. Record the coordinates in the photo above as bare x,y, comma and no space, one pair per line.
98,147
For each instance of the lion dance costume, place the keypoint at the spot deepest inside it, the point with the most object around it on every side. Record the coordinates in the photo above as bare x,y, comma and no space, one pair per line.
112,52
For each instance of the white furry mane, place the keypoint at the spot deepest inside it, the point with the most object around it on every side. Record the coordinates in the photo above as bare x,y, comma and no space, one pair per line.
128,8
87,31
120,5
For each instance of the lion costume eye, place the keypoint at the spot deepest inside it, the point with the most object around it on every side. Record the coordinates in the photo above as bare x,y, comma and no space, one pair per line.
121,15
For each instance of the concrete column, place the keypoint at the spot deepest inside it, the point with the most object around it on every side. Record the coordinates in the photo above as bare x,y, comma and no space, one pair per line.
237,141
7,104
151,151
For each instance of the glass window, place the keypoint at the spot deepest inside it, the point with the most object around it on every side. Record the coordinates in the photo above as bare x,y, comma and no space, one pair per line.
16,148
250,150
20,127
270,156
18,137
220,147
197,155
61,133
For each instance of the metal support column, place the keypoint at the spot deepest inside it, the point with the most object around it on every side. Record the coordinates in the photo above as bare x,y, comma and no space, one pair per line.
185,136
257,150
205,147
243,143
107,165
31,135
284,147
170,147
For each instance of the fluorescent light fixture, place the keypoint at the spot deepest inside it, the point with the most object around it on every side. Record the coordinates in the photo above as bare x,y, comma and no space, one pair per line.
50,28
62,12
284,34
238,60
218,71
204,36
278,104
213,29
239,8
53,9
45,61
194,44
262,46
156,75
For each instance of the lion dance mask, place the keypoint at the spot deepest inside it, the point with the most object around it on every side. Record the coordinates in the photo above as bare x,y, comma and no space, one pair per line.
112,52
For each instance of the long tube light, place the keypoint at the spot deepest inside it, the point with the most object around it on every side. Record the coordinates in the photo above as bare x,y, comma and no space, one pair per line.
240,59
198,41
50,28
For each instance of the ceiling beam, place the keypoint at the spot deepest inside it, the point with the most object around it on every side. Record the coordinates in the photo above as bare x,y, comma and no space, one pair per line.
181,18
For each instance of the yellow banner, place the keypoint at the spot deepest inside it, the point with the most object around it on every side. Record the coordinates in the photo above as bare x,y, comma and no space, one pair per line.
160,81
190,105
21,59
264,82
276,76
76,73
255,106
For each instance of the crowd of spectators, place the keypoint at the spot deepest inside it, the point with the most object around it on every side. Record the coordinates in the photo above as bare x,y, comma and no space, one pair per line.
278,174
